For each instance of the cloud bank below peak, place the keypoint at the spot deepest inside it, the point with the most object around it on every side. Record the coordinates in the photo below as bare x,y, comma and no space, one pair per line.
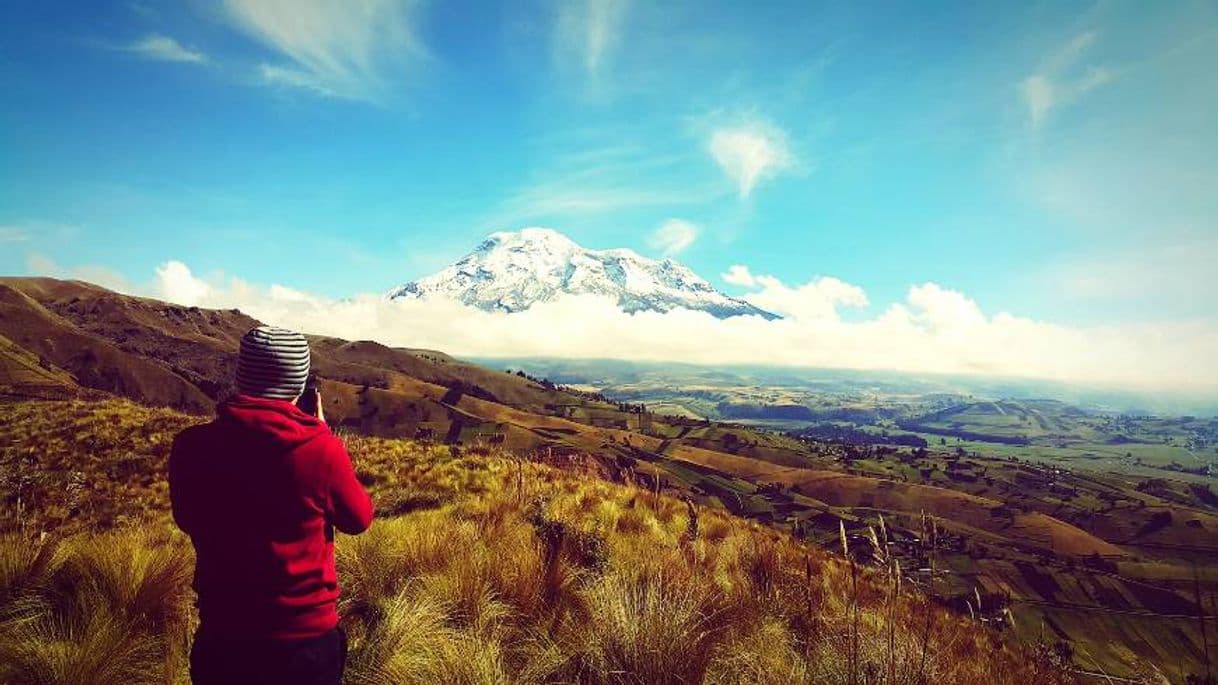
933,330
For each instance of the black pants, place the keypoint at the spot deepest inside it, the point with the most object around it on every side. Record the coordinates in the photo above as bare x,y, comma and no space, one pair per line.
216,660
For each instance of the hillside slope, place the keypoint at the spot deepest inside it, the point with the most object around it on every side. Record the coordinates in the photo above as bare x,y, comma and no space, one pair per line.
184,357
481,568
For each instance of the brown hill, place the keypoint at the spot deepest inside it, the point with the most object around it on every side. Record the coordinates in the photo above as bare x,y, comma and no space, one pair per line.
89,359
844,490
62,337
26,375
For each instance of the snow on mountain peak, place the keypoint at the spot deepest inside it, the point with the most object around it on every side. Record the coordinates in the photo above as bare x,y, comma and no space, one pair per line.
512,270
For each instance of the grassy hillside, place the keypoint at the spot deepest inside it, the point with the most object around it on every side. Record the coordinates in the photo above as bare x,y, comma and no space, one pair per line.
1056,548
1098,563
483,567
30,376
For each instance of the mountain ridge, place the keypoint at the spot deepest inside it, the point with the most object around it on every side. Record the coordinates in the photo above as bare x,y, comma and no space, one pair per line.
510,271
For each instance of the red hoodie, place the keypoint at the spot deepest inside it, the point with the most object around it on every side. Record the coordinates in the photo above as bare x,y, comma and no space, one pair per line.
260,491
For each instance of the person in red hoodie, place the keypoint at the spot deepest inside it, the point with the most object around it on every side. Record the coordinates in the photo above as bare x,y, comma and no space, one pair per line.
260,491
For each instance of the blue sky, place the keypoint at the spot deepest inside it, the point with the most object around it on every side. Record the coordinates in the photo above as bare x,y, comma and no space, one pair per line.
1055,160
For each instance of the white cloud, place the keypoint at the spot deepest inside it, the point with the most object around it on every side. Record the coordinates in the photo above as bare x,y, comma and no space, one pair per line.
341,49
944,310
739,274
750,152
933,330
1038,94
1058,82
818,299
166,49
175,283
589,30
674,236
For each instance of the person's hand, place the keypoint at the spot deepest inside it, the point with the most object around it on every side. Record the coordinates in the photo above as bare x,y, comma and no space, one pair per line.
321,412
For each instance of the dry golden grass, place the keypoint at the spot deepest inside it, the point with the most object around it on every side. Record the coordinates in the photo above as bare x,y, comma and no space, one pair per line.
489,570
105,608
82,465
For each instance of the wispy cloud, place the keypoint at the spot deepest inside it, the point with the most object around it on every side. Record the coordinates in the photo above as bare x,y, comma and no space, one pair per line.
739,274
166,49
1172,273
750,152
1059,81
37,231
286,76
589,31
13,234
673,236
38,264
566,198
598,180
352,50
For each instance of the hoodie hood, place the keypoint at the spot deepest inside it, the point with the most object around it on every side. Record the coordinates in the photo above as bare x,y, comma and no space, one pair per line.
278,423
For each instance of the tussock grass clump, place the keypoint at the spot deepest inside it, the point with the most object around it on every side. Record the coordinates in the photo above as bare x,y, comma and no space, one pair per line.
414,642
26,570
106,608
142,576
648,630
496,570
95,646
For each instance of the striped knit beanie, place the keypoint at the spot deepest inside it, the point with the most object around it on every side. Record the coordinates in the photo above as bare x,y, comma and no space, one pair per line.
274,363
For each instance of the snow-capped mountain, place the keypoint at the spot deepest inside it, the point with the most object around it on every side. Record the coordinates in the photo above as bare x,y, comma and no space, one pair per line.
511,271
